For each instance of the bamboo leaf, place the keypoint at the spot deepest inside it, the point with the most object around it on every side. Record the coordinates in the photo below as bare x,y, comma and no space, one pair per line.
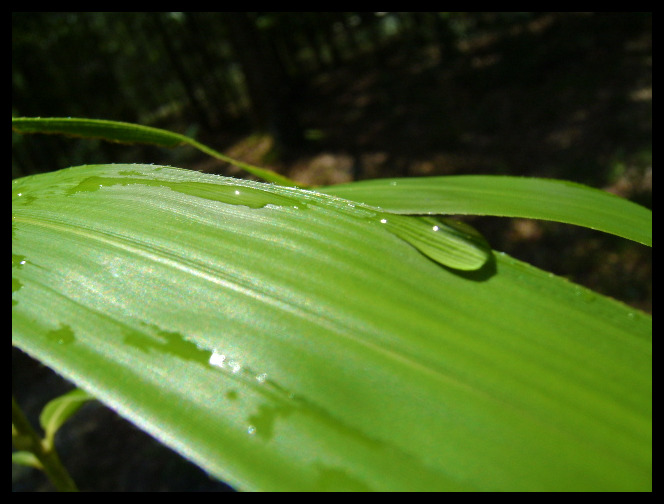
115,131
299,345
26,458
59,410
505,196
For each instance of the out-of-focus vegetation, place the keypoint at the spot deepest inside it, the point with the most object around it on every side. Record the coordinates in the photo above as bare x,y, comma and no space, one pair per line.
564,95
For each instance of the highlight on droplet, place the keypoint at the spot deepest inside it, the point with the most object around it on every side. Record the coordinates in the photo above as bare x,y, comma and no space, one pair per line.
217,359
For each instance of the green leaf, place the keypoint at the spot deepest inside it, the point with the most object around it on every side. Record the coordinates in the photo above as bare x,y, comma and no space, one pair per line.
115,131
295,343
505,196
59,410
445,242
26,458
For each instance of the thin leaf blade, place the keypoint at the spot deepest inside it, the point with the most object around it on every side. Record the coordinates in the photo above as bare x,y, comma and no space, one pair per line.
123,132
59,410
505,196
112,131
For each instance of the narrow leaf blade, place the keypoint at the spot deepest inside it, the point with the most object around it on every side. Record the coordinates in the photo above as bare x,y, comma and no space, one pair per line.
112,131
26,458
116,131
59,410
505,196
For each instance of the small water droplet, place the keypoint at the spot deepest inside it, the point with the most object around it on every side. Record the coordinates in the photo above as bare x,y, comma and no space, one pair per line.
435,228
217,359
18,261
383,221
64,334
251,430
235,366
261,378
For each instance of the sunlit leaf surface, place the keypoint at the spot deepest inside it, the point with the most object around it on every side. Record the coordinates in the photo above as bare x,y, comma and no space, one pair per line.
291,342
505,196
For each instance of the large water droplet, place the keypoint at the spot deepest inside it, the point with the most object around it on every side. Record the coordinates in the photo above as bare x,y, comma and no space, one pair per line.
232,194
449,243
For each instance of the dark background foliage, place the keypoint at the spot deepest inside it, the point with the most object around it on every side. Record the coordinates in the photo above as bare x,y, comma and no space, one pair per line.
332,97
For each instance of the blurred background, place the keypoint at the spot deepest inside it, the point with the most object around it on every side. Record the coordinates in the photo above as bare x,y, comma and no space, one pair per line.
332,97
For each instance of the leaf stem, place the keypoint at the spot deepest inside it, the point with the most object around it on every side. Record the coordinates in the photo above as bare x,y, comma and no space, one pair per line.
24,437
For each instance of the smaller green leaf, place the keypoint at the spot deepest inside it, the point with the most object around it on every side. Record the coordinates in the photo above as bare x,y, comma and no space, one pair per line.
115,131
94,128
26,458
57,411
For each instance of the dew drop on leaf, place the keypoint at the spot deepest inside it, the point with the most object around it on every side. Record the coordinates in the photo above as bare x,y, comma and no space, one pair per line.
448,243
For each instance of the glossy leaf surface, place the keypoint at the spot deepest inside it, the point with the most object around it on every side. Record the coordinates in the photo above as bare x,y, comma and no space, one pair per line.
296,344
505,196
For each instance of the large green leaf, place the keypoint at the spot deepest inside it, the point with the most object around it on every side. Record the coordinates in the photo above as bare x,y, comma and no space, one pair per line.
297,345
506,196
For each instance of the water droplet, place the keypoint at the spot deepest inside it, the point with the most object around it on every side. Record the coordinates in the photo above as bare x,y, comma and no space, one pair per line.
18,261
261,378
449,243
63,335
251,430
250,196
17,285
235,366
217,360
